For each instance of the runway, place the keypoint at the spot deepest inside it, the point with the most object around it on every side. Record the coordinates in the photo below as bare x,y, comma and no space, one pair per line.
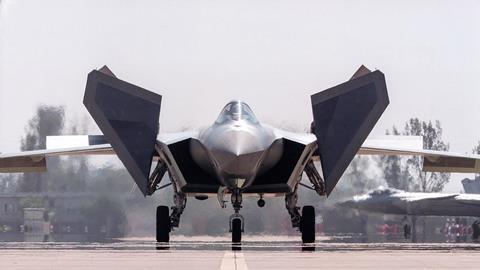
214,253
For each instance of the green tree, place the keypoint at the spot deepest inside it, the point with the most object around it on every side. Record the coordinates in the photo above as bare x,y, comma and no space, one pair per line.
406,173
76,169
8,183
476,150
395,174
432,140
48,120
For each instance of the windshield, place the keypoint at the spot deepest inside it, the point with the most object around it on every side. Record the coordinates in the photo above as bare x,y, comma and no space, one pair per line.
236,111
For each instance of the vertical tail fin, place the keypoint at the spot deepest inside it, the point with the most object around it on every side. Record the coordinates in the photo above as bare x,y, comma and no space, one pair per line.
343,117
128,117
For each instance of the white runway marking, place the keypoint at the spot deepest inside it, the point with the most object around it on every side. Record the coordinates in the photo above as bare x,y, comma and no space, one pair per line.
233,261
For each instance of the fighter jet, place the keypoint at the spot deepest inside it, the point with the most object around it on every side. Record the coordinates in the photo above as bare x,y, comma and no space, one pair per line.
398,202
237,155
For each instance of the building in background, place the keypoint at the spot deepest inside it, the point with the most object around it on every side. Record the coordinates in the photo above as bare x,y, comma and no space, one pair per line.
48,217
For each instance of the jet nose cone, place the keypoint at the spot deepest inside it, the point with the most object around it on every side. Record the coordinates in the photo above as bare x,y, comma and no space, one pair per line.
237,154
237,143
238,150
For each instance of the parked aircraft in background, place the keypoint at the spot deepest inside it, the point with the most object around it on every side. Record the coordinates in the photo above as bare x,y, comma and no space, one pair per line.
398,202
237,154
413,204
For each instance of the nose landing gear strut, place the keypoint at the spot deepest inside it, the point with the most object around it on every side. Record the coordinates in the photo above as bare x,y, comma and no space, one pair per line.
236,220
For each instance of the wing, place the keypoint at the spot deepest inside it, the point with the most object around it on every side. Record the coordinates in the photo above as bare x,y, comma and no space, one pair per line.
35,161
72,145
432,197
469,199
433,161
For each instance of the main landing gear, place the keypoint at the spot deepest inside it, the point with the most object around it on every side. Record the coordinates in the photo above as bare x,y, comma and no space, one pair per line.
304,222
307,224
166,222
163,224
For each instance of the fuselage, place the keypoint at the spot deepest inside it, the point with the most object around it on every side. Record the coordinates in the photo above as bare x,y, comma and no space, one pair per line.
237,147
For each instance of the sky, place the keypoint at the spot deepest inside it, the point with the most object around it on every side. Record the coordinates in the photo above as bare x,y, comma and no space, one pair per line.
272,54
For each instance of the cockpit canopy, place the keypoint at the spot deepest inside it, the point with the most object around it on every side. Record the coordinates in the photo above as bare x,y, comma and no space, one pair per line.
236,111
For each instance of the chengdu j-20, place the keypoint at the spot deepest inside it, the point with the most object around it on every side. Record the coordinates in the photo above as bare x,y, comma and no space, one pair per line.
237,155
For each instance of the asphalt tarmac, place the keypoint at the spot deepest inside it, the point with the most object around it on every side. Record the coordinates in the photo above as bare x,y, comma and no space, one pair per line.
218,253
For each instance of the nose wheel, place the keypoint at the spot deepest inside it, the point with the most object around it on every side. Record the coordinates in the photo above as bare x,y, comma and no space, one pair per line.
236,220
236,227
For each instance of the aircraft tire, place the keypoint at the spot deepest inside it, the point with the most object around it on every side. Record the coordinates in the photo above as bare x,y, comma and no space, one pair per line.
308,224
163,224
236,230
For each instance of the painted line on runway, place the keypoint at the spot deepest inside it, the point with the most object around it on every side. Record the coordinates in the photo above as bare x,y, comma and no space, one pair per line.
233,261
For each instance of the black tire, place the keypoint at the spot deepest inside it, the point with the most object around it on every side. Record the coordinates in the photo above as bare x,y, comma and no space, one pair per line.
163,224
308,224
236,230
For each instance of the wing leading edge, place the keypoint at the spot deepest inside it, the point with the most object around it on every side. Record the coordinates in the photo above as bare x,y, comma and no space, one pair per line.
35,161
433,160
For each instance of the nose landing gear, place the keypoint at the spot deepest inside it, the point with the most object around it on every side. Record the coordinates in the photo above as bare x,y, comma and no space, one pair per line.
236,220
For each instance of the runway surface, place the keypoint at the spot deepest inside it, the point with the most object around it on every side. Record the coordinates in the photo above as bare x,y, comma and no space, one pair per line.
217,253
